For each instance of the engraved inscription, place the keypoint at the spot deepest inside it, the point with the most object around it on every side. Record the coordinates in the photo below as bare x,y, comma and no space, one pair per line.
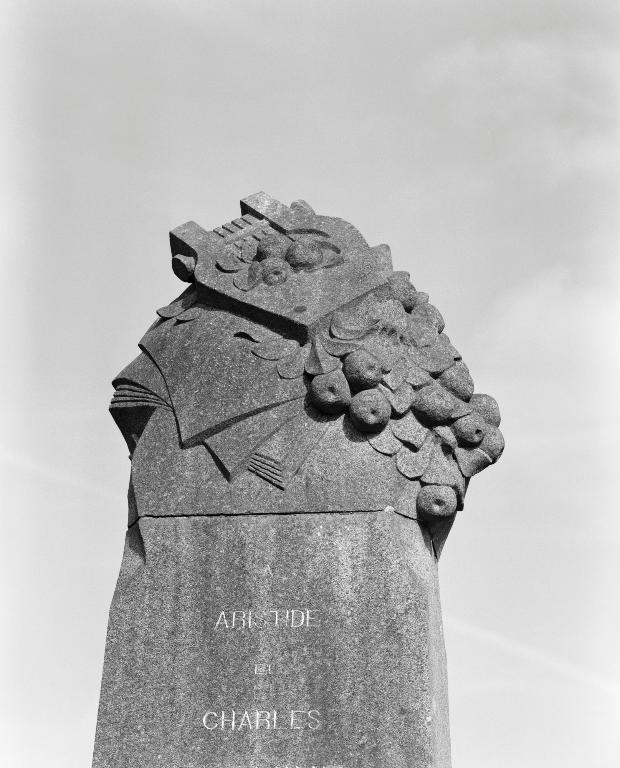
289,618
237,720
255,720
263,669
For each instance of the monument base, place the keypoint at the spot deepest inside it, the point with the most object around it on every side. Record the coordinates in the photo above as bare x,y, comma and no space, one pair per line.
275,641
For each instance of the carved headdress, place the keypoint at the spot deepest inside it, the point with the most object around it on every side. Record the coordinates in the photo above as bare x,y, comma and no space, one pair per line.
299,373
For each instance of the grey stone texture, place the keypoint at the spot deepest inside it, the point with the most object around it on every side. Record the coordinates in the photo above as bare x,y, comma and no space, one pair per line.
359,658
302,434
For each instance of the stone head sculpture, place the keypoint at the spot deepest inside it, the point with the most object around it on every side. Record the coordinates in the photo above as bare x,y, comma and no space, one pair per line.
303,374
302,433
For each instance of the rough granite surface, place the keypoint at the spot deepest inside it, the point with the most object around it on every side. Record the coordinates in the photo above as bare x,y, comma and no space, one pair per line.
302,433
352,664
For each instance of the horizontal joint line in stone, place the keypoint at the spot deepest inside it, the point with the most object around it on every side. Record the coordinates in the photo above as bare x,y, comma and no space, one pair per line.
262,514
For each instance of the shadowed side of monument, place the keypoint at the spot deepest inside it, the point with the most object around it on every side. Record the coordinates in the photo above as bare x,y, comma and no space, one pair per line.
302,434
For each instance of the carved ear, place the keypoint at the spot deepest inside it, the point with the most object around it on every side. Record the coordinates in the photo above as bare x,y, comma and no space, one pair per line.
301,206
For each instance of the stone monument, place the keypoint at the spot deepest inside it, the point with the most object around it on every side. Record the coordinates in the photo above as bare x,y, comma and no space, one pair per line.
302,433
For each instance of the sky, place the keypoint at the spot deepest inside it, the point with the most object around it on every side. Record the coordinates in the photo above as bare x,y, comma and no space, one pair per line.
481,141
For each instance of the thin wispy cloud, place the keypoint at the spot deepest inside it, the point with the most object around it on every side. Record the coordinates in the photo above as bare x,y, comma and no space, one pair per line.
536,656
13,462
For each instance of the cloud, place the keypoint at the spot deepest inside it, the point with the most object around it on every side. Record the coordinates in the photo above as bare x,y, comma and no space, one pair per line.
545,105
533,655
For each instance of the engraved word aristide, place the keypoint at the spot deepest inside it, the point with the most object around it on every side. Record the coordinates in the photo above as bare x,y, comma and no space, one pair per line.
290,618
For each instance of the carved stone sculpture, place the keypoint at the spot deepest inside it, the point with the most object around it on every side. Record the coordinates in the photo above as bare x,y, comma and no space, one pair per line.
302,434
